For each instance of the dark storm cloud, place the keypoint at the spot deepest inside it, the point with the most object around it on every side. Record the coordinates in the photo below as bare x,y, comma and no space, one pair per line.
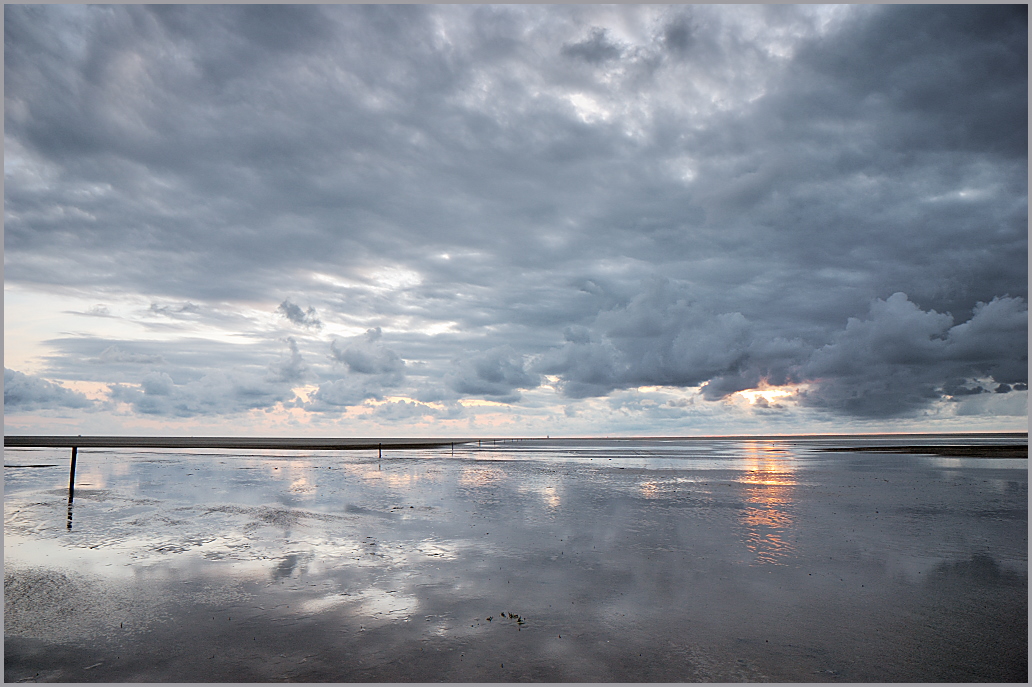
29,392
496,374
617,196
664,336
595,49
895,362
953,76
678,35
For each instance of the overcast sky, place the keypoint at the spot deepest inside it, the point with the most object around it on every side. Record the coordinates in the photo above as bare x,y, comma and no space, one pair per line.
515,220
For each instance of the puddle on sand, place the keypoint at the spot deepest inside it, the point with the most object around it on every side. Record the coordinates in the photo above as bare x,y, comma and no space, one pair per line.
715,560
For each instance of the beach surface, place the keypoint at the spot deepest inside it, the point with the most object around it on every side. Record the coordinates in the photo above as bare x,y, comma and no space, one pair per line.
627,560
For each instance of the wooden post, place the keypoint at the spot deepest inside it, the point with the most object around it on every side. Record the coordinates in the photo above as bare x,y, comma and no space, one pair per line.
71,486
71,475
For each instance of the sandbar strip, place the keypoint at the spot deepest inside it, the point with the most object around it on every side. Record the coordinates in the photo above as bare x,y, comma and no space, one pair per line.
275,443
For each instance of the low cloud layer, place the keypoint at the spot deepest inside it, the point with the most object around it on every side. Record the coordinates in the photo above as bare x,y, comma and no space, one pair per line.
901,359
24,392
518,214
894,362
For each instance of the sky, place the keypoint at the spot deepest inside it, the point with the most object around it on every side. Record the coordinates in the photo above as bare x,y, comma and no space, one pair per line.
475,221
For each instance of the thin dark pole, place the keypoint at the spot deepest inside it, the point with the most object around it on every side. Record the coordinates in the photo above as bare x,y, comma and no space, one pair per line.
71,486
71,475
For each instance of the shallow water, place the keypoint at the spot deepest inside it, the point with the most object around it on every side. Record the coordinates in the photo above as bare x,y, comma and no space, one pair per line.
620,560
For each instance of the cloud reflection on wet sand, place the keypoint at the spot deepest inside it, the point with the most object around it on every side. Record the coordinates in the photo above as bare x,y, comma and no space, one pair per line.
718,561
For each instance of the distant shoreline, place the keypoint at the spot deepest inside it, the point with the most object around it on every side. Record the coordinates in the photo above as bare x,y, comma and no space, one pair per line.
995,450
324,444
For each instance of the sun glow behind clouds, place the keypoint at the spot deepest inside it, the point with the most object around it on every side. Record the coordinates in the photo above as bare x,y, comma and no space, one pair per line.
587,108
768,394
305,392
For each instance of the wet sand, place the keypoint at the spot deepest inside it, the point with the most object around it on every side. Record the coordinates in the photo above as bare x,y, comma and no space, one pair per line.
989,451
648,560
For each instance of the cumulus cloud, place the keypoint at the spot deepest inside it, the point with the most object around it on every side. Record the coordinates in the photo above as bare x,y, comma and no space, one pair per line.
337,395
293,369
411,411
184,310
367,355
901,358
294,313
24,392
994,341
373,370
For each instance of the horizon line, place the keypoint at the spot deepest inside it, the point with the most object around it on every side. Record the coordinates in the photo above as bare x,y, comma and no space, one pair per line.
343,442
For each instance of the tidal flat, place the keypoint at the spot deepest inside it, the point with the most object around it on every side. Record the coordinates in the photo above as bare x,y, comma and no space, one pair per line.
588,560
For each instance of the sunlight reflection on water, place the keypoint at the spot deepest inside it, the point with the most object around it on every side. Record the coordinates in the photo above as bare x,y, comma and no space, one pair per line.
675,540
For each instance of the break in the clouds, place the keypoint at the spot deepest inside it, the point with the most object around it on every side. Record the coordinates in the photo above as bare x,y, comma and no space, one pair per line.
547,219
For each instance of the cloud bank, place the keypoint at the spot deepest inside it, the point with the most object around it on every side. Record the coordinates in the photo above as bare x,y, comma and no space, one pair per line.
28,392
619,218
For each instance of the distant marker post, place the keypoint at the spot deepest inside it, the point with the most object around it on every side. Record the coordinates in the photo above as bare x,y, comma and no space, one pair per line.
71,474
